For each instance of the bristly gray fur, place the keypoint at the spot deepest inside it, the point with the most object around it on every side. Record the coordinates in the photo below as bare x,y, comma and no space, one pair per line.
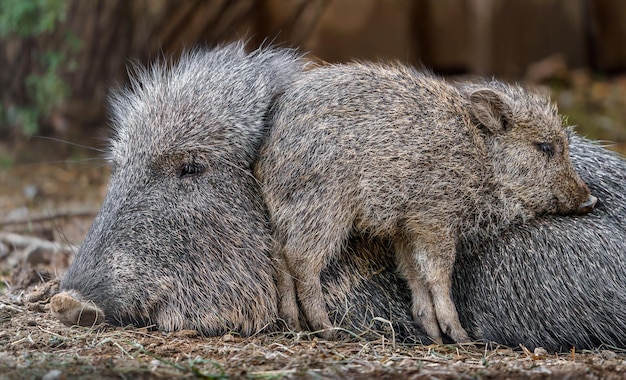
221,97
182,240
556,282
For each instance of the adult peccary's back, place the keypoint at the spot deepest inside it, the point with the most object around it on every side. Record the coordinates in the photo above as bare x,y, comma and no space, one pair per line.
182,240
556,282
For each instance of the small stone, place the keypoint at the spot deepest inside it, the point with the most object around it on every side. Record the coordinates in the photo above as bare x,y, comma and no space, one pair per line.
540,352
36,307
54,374
38,294
30,191
607,354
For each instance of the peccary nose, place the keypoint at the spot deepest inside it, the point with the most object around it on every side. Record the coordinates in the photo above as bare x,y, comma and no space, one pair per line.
71,311
588,205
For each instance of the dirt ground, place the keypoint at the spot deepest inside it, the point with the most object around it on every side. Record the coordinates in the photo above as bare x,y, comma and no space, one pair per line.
46,207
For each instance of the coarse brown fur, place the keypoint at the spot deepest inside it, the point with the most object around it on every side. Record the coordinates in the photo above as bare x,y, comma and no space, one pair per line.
390,152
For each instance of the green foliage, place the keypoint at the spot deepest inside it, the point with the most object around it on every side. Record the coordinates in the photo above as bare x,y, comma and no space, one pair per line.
48,88
26,117
31,17
6,162
44,86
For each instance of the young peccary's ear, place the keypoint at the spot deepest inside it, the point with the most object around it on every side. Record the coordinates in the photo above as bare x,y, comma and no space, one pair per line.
490,110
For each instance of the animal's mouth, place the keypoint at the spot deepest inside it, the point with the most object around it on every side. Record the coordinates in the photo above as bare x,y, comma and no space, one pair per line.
567,207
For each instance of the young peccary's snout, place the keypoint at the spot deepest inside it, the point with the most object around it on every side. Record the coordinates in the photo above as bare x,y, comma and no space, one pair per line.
183,239
588,205
393,153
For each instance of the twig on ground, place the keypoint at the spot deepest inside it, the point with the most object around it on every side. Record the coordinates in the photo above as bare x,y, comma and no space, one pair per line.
71,213
32,243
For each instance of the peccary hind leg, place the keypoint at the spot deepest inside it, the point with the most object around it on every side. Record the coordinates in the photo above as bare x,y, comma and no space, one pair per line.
439,282
308,287
422,309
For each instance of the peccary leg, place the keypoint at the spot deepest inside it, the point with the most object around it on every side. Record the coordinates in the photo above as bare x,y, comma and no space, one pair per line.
288,305
306,270
309,292
308,247
422,308
436,265
312,300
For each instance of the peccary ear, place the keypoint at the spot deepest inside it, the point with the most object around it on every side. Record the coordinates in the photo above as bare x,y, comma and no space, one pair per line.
490,110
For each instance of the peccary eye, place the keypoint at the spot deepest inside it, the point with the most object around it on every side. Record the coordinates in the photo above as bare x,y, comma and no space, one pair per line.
546,148
190,169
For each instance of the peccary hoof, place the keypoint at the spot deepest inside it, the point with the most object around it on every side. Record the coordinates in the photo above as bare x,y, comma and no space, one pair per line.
71,311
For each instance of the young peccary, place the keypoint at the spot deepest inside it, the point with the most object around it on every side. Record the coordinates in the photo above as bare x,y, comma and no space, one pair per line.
393,153
556,282
183,238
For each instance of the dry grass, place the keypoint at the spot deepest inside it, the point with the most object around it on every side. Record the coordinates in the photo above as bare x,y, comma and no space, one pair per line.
34,344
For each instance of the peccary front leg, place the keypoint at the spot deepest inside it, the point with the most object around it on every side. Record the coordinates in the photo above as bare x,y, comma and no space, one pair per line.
437,264
305,257
307,245
423,311
446,311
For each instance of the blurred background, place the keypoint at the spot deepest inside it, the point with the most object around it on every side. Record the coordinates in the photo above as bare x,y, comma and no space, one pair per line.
60,58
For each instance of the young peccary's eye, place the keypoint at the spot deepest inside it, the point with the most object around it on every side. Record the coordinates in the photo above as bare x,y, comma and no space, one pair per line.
546,148
190,169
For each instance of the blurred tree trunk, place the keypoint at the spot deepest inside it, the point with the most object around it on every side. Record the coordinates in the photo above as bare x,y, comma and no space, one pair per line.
607,35
99,38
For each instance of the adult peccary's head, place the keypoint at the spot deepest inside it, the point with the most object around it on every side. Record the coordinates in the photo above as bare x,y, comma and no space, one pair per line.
518,123
182,240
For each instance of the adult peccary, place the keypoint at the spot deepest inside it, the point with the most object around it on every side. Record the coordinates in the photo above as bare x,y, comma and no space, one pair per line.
509,291
183,238
394,153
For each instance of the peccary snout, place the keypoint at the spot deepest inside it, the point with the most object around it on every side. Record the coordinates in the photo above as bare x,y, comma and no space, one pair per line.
588,205
71,311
